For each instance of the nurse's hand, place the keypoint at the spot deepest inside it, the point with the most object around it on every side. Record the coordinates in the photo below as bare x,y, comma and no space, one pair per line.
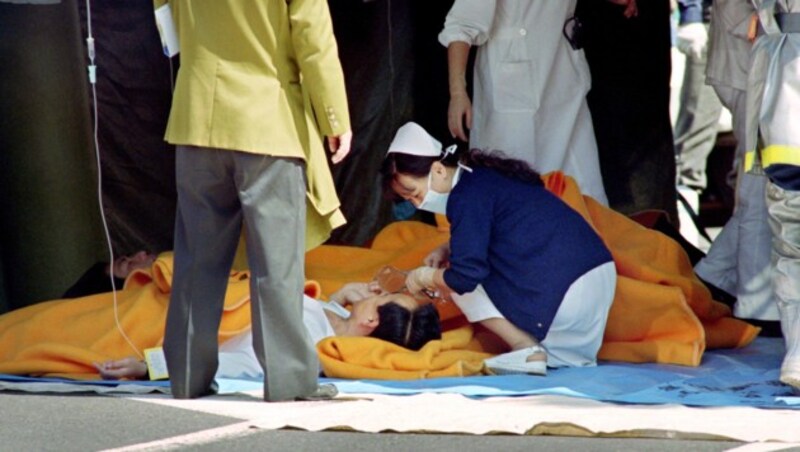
459,112
420,279
438,258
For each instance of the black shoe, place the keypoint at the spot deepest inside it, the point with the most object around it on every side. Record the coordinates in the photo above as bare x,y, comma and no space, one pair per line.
323,392
213,389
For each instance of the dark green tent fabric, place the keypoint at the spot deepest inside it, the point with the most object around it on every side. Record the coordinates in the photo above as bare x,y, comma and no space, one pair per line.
49,228
395,72
3,298
630,64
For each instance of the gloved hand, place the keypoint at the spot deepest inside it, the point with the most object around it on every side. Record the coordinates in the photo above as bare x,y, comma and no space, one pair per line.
419,279
691,39
438,258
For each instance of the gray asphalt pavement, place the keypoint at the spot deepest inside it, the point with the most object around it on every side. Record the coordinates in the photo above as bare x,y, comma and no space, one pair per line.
34,422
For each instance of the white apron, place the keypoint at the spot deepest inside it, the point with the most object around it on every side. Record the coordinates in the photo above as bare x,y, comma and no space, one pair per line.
530,86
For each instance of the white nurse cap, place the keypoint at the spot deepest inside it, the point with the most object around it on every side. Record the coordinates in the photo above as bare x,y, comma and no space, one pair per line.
412,139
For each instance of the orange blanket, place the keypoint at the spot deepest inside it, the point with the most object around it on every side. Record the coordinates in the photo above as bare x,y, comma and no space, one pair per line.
457,354
64,337
661,312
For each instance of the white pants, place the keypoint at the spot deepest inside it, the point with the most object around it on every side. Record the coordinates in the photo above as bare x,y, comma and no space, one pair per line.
576,334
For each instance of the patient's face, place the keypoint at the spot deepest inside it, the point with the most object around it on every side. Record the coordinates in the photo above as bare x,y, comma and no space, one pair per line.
124,265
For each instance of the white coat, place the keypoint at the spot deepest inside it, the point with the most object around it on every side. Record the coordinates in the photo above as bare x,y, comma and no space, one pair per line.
530,86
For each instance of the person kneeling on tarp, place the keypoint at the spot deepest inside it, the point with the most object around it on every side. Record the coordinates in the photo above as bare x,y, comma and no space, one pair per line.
519,261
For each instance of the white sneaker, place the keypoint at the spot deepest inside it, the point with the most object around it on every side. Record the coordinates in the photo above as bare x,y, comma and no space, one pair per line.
516,362
790,325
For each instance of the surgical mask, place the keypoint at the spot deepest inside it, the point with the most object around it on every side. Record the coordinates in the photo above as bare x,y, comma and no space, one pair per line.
434,201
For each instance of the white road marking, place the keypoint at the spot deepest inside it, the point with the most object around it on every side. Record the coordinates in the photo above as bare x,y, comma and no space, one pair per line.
194,439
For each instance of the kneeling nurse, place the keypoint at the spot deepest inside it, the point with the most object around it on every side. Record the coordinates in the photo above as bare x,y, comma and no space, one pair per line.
520,261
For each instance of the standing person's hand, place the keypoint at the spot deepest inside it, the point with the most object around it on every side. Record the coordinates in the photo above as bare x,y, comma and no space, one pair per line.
459,112
340,146
631,10
691,39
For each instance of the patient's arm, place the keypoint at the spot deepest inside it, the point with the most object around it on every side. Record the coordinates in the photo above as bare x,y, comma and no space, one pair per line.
355,292
129,367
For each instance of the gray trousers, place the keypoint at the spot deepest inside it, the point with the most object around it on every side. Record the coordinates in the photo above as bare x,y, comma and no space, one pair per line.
219,193
739,258
697,124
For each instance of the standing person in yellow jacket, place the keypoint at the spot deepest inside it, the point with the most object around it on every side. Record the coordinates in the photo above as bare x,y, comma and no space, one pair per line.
259,83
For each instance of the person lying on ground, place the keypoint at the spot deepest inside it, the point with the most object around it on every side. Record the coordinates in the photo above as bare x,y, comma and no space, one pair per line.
97,279
393,317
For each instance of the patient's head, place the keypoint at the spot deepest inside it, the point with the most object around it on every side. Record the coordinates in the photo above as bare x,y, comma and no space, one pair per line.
399,319
125,265
409,329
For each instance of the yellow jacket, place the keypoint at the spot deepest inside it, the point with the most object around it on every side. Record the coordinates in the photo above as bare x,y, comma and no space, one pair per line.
262,77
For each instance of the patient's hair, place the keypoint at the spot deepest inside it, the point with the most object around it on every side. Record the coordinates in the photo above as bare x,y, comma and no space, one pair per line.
409,329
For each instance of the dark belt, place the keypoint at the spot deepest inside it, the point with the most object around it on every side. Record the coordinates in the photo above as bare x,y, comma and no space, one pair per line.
789,22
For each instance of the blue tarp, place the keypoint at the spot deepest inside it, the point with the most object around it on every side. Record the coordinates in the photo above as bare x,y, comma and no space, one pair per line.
742,377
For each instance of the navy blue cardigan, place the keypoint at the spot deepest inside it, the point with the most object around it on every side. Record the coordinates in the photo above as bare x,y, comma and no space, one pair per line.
522,243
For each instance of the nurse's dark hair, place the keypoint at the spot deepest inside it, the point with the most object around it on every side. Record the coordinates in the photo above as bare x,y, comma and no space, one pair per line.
409,329
497,160
419,166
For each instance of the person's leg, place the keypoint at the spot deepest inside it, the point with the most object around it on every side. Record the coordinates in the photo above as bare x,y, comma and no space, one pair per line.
697,124
477,307
576,333
207,227
718,267
784,219
526,355
273,196
754,291
739,259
